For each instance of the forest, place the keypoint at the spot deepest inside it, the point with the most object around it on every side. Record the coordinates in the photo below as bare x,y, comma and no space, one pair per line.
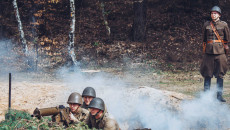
142,57
163,34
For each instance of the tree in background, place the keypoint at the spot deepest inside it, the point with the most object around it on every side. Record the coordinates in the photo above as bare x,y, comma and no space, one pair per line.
139,21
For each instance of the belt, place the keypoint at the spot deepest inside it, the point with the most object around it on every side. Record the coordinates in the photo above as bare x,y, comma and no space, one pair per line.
214,41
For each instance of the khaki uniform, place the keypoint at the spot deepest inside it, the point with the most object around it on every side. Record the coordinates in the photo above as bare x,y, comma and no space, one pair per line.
215,60
106,122
82,115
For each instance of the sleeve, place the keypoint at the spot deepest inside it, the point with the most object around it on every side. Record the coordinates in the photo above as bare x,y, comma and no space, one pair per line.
204,32
227,33
86,118
111,125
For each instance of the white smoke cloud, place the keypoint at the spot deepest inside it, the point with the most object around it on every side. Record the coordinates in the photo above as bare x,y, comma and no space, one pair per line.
134,106
143,107
7,56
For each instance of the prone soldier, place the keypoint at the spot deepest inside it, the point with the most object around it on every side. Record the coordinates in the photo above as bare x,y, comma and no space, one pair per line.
77,114
66,115
88,94
99,117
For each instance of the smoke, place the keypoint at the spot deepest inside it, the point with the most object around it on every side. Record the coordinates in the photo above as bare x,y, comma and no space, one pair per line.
144,107
206,112
7,57
132,106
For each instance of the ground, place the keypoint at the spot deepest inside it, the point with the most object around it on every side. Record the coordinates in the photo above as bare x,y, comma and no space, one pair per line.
45,91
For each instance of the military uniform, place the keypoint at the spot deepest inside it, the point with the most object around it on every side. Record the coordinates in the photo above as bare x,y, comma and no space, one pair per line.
215,60
82,115
216,36
106,122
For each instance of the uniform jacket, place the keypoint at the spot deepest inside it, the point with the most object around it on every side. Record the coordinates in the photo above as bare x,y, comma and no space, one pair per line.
82,115
106,122
208,35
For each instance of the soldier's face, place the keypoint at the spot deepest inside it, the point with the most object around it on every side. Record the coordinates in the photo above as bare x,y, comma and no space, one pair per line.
94,111
87,99
73,107
215,15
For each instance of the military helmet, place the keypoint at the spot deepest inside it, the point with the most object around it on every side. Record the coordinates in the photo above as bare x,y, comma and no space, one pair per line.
97,103
89,91
216,8
75,98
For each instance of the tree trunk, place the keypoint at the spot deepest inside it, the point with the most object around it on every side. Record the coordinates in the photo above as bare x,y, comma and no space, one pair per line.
139,22
72,32
20,29
105,17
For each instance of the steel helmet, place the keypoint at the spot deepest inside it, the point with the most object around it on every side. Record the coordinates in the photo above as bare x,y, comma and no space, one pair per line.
75,98
216,8
97,103
89,91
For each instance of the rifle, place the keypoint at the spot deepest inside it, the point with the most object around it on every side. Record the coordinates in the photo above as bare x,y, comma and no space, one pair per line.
60,114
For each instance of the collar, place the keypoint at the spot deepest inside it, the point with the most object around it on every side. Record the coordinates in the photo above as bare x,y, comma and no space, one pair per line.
216,21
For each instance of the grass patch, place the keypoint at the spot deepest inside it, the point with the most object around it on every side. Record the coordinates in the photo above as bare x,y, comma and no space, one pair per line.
15,119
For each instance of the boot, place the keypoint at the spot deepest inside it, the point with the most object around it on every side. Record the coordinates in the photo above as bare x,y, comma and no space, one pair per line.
207,83
220,90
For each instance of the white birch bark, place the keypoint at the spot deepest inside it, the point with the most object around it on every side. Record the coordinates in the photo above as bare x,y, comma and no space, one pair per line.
20,29
72,31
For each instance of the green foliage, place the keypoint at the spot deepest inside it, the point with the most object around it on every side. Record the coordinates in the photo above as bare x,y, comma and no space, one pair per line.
15,119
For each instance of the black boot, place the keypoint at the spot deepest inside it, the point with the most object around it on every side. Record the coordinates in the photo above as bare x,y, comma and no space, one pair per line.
220,90
207,83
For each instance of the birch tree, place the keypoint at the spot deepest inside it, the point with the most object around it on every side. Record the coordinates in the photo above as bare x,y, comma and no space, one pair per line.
20,28
72,31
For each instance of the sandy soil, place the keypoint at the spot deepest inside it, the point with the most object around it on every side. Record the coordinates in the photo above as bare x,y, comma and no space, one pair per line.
42,93
28,95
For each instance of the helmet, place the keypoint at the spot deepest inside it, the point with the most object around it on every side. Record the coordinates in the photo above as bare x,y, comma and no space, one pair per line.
97,103
216,8
89,91
75,98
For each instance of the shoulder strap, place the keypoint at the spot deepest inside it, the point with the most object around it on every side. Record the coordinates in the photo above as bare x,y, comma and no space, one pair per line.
215,31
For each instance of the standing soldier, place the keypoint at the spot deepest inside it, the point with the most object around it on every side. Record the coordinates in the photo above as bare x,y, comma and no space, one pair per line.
216,36
88,95
99,118
77,114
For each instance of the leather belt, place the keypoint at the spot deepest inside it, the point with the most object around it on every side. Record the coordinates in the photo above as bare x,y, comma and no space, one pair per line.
214,41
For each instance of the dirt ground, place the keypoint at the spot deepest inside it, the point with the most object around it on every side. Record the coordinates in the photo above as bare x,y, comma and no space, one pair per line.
45,92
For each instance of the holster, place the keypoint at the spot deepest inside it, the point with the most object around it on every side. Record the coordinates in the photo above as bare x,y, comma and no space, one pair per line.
226,48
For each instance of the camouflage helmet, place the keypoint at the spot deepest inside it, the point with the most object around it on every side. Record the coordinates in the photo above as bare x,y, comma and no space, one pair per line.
89,91
216,8
75,98
97,103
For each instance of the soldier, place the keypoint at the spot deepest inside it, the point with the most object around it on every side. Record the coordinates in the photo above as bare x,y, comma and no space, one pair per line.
88,95
99,118
77,114
216,37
